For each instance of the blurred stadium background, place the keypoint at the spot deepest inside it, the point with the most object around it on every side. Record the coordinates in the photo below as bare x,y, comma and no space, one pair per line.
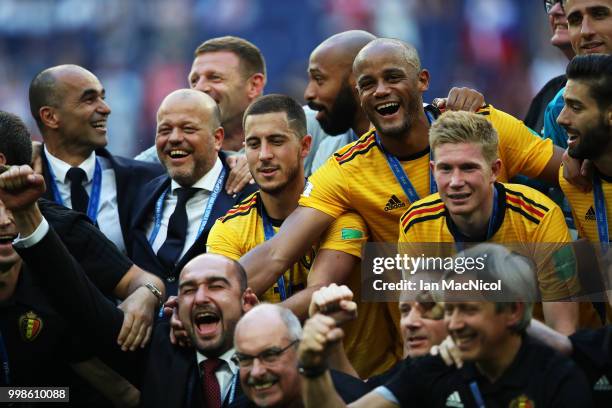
142,49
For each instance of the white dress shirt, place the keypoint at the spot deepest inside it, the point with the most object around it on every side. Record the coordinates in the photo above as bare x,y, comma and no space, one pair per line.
195,206
108,210
226,373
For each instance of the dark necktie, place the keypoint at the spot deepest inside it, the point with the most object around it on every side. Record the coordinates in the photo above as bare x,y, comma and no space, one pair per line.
78,195
172,247
210,386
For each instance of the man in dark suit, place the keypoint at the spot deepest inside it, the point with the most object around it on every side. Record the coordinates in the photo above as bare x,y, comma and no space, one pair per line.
68,103
178,209
213,296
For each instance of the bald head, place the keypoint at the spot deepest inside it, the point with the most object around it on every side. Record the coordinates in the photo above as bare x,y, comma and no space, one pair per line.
272,317
199,100
342,48
48,88
388,46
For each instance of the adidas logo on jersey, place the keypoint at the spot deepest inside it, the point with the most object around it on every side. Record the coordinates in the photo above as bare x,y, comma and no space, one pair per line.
454,400
394,203
590,214
603,384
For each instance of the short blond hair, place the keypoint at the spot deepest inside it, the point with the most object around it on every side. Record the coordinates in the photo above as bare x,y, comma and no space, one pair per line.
465,127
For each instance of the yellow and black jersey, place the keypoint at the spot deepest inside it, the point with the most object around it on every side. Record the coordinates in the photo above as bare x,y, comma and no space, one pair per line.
525,216
583,206
358,178
583,212
241,229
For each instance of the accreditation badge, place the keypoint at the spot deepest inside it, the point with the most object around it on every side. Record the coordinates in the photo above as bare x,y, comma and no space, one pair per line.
30,326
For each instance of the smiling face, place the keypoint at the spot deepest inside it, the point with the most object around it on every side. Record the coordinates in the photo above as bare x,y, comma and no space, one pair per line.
275,153
464,177
210,303
268,384
219,74
422,327
590,26
588,128
478,330
188,137
390,87
558,25
82,113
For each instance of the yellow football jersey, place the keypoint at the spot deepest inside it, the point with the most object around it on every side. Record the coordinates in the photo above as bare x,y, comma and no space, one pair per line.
526,216
241,229
583,207
583,212
358,178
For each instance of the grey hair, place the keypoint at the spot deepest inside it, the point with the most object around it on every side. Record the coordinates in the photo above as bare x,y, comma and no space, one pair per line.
516,273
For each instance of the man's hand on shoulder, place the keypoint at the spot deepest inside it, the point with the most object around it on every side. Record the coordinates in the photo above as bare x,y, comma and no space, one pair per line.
239,175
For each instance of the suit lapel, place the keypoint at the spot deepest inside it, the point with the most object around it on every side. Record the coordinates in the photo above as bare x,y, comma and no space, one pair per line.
152,194
47,175
222,204
183,385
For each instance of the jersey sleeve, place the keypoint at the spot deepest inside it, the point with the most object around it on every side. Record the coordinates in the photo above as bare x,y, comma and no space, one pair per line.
347,234
327,190
556,261
552,130
223,240
521,149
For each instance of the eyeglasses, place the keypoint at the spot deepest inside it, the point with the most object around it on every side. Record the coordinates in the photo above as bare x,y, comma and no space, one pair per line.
268,357
549,4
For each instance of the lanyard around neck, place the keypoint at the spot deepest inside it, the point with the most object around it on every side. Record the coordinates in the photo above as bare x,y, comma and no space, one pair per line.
268,234
159,208
600,213
400,174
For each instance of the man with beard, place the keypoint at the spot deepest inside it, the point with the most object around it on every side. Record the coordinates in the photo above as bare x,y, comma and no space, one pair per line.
380,174
276,144
587,119
213,295
178,209
590,32
266,342
332,94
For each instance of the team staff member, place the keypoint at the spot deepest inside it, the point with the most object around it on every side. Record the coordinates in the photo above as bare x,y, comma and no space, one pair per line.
212,298
271,334
232,71
112,272
503,366
177,210
276,144
68,103
360,178
472,207
421,323
590,349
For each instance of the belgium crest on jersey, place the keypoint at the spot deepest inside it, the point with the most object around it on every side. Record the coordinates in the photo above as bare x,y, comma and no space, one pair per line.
30,326
521,401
